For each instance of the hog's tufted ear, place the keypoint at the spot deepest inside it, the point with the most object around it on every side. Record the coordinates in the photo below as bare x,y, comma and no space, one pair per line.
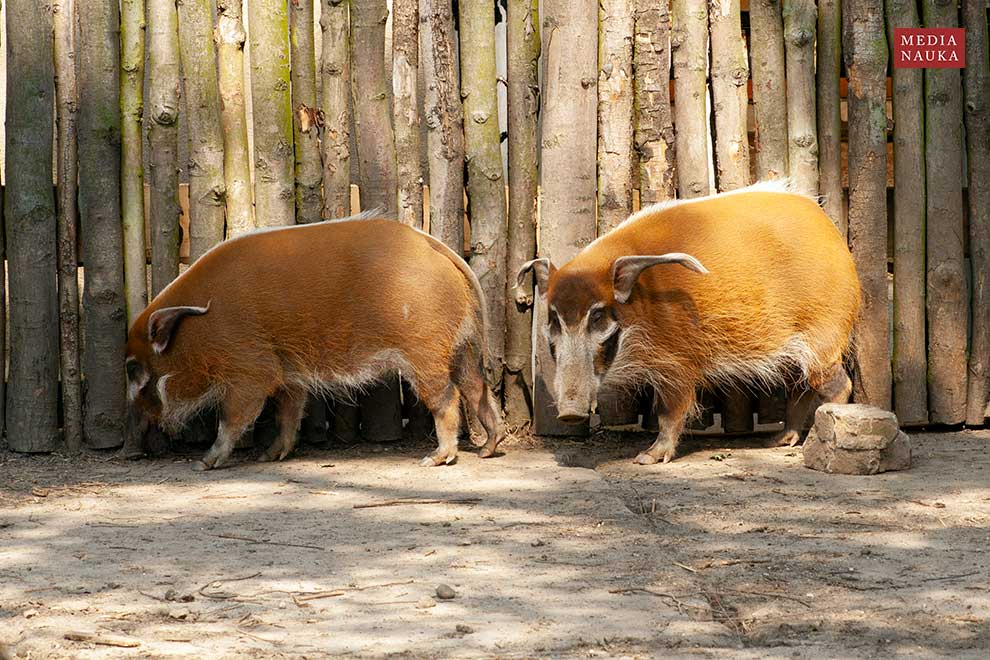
164,322
542,270
626,270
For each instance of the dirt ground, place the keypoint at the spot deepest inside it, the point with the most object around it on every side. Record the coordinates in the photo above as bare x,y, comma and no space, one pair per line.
552,550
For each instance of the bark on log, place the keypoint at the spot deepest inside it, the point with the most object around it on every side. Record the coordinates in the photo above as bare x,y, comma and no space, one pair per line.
274,194
32,395
405,106
766,45
829,60
381,413
372,115
67,104
336,99
444,122
910,369
163,141
568,182
522,61
976,77
105,321
230,37
948,311
802,131
689,47
729,78
202,103
309,171
865,53
485,181
132,156
615,113
654,132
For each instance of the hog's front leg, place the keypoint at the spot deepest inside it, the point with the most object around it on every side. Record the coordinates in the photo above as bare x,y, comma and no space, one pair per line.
675,408
238,415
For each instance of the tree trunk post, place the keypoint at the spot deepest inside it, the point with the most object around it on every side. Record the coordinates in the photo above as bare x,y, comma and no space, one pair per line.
568,176
766,46
32,395
202,102
654,127
274,194
910,367
802,131
67,104
405,102
163,141
523,61
615,113
977,96
948,312
865,52
132,28
689,48
230,37
444,122
829,59
105,321
336,98
309,171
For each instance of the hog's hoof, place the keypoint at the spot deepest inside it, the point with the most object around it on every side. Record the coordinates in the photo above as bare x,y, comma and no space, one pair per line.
266,458
131,454
488,450
200,466
646,459
788,438
437,459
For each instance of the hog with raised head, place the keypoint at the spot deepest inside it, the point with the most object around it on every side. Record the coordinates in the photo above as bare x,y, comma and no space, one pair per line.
328,307
759,289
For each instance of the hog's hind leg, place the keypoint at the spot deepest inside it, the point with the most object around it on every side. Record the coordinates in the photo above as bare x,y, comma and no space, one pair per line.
470,379
238,414
445,404
289,407
831,386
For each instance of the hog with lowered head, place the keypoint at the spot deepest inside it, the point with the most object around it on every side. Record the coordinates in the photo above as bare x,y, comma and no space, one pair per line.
758,289
328,307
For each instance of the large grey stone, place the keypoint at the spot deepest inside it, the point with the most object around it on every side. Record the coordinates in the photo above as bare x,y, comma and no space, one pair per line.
856,439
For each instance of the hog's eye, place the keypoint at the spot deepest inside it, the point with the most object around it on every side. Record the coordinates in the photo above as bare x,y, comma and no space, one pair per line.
133,370
596,315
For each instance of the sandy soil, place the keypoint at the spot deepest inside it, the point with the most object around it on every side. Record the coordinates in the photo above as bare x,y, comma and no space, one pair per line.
553,550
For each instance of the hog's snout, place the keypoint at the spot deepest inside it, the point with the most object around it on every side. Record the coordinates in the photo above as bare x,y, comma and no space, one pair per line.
572,417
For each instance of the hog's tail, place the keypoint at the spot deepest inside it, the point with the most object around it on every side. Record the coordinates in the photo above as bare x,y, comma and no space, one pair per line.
479,293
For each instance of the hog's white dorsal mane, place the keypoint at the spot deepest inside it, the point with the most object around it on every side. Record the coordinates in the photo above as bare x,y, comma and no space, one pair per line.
785,186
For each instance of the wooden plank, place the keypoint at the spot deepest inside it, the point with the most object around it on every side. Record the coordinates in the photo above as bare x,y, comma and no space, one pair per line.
689,49
829,65
802,128
766,46
910,369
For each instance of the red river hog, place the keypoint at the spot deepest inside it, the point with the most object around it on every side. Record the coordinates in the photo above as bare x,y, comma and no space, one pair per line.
329,308
755,287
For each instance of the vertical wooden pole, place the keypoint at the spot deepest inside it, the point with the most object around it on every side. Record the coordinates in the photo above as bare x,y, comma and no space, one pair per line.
405,101
381,413
567,172
766,46
444,122
67,103
689,47
865,53
523,59
132,26
829,59
308,170
105,320
271,104
202,103
163,141
32,415
336,99
948,312
977,96
799,54
730,99
230,38
615,113
654,132
910,369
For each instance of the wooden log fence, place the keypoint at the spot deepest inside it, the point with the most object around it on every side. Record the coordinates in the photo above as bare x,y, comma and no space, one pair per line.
610,106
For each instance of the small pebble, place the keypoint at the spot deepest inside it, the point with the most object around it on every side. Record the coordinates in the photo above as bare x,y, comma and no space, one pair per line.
425,603
464,630
445,592
27,614
538,543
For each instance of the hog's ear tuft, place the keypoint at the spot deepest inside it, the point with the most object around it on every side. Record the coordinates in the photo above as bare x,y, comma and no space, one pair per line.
542,270
164,322
626,270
